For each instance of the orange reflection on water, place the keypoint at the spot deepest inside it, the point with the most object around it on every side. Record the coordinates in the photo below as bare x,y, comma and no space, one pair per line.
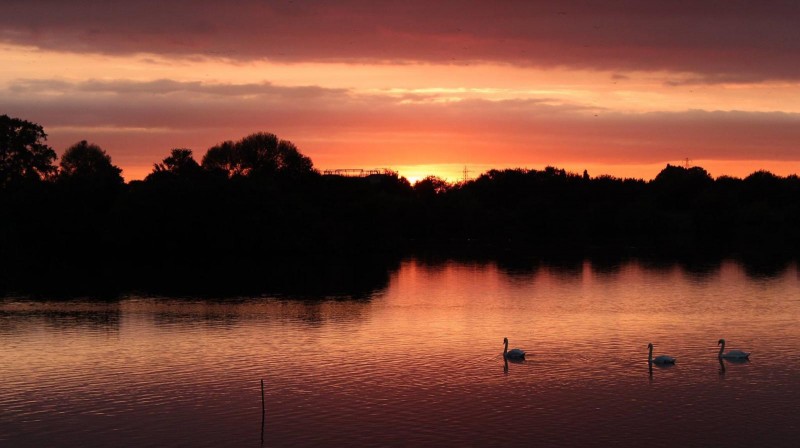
419,362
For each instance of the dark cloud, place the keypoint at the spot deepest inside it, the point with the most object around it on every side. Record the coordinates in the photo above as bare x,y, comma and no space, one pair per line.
716,40
714,79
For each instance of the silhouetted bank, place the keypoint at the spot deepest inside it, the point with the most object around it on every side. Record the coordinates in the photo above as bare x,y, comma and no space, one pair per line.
255,215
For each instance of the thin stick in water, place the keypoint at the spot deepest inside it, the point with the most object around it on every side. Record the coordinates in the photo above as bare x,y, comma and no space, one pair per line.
262,412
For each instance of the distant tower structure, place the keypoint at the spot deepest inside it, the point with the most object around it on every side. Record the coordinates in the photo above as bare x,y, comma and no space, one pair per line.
466,174
686,163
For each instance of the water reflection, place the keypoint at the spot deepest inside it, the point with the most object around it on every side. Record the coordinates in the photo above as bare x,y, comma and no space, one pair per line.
414,363
722,368
651,365
736,360
84,316
765,268
507,361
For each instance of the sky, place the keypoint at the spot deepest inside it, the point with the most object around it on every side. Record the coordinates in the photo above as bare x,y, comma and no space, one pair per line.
420,87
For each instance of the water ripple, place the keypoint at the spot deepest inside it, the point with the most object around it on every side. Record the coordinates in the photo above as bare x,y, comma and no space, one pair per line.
419,366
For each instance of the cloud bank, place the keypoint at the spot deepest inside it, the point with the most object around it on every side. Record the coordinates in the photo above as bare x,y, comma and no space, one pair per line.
139,121
716,41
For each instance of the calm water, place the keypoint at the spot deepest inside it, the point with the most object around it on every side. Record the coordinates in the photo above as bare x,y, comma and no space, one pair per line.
418,363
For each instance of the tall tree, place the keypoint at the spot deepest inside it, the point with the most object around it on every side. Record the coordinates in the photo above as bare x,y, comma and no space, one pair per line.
23,153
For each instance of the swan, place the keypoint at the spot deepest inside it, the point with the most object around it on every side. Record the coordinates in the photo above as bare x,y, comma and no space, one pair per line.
660,360
514,353
733,354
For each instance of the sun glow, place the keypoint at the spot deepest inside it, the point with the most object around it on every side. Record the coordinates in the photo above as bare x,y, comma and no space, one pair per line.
419,119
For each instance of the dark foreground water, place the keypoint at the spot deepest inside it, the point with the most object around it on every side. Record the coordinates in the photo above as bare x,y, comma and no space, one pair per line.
417,363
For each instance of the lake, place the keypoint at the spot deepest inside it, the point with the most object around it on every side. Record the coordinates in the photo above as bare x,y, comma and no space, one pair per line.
417,361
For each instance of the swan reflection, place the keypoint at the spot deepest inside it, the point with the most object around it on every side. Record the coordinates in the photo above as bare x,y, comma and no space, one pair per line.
659,366
507,360
723,361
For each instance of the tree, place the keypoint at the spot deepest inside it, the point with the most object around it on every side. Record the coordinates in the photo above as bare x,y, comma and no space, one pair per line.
695,176
288,160
23,154
431,186
180,162
87,163
222,159
680,187
257,154
764,186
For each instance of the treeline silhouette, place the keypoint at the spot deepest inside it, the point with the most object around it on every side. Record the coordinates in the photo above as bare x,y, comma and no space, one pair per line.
254,214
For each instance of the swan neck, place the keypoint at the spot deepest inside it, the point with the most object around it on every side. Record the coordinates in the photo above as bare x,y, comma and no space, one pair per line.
721,348
650,354
505,348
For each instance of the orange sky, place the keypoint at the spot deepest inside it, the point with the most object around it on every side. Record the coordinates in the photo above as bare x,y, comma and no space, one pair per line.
621,89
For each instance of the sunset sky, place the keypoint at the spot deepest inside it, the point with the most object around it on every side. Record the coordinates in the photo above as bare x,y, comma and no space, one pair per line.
422,87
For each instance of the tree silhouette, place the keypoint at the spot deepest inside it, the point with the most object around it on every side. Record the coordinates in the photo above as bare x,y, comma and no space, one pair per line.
86,162
222,159
180,163
695,175
431,186
763,185
678,188
259,154
23,154
289,161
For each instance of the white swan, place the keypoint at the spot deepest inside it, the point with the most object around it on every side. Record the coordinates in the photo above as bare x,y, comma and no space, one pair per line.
514,353
733,354
660,360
